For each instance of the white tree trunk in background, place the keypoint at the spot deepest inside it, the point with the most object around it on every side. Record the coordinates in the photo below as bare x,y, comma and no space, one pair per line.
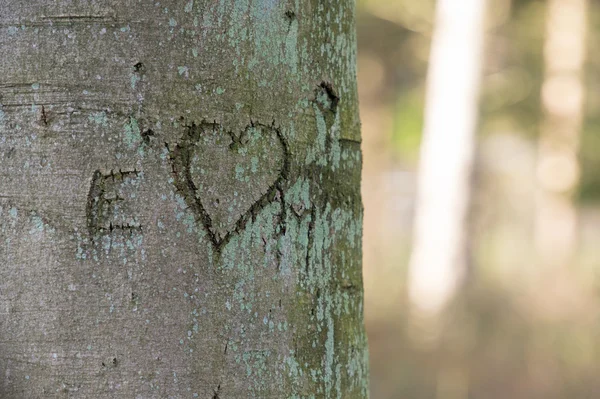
562,100
439,257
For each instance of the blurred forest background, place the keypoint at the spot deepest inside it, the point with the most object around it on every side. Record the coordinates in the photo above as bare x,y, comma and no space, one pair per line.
525,321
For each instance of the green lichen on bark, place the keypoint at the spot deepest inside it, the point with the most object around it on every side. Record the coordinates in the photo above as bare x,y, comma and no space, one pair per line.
135,294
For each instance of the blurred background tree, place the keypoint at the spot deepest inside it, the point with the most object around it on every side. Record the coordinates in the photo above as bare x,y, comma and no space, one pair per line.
562,97
439,255
516,329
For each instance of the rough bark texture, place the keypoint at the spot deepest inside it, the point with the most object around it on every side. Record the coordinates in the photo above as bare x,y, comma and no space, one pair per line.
179,200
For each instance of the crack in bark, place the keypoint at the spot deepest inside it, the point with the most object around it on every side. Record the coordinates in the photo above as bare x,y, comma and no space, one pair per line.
78,17
44,116
311,230
328,90
350,141
216,392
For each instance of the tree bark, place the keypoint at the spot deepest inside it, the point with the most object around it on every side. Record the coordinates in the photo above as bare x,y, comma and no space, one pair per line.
180,213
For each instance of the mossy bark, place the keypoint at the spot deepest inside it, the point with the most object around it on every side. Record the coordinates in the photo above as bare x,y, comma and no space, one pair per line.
180,212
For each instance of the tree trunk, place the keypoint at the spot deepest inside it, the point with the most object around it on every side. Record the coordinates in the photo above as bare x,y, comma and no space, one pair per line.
439,258
179,200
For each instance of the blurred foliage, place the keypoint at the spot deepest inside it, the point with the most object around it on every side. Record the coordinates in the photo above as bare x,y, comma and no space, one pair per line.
408,124
394,39
590,182
510,335
398,47
514,70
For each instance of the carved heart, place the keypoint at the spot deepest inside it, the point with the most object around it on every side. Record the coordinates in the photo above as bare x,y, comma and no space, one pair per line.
223,177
